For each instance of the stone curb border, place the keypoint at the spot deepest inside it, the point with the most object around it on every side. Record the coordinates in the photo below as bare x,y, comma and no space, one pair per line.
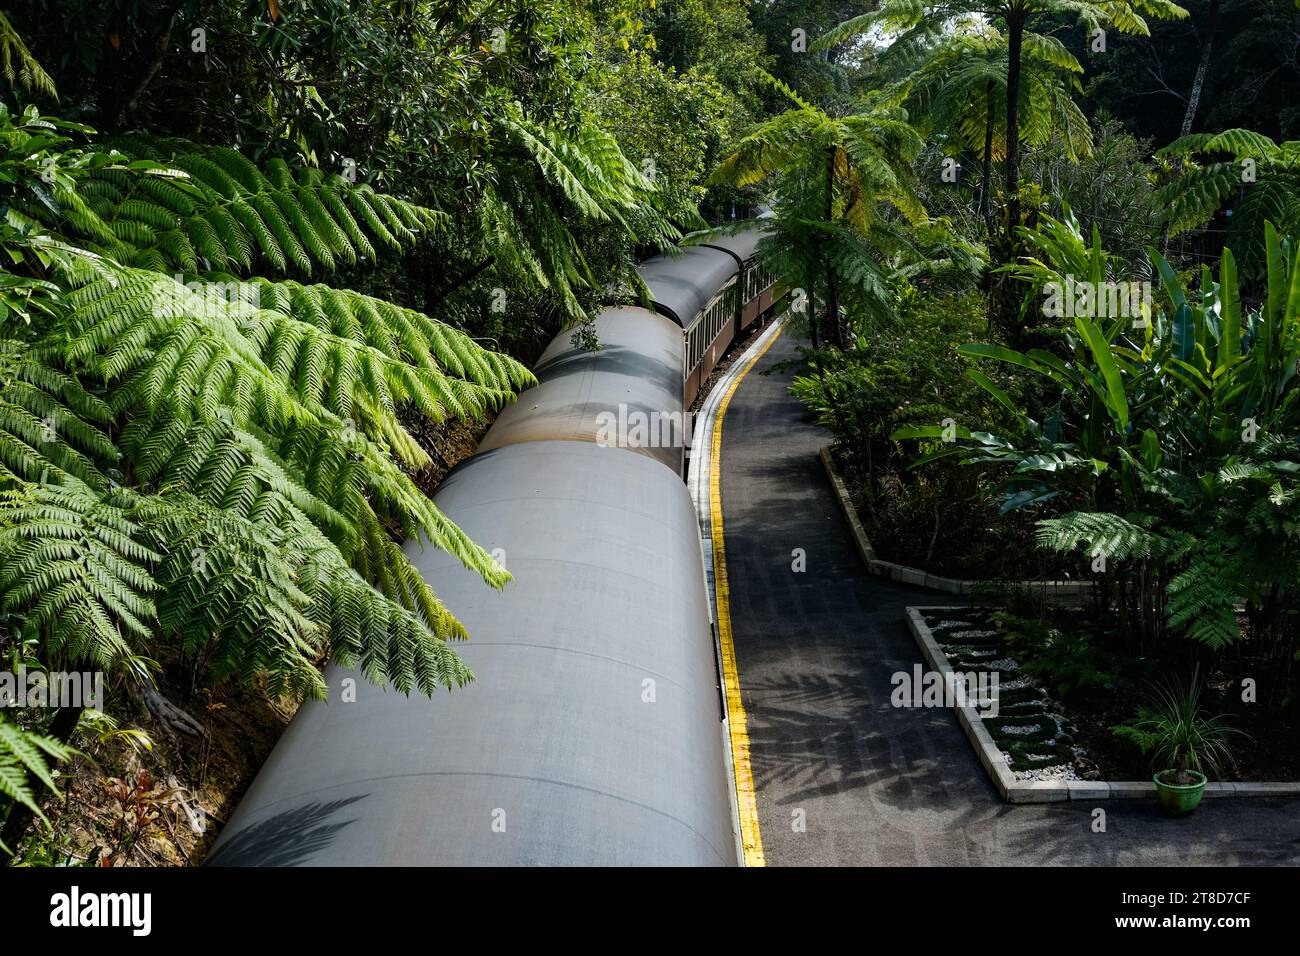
918,576
1051,791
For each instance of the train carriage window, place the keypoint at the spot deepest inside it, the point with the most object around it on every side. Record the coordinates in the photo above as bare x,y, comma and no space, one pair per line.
709,324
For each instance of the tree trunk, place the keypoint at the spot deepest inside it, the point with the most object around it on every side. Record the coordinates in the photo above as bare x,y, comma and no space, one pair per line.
1202,69
811,305
1015,42
986,172
1004,294
834,332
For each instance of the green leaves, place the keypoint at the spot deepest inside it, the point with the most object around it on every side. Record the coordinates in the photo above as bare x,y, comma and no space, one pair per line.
50,426
224,464
1176,451
214,209
72,564
1115,537
1230,309
25,758
1110,389
1176,732
18,65
548,181
831,181
1265,174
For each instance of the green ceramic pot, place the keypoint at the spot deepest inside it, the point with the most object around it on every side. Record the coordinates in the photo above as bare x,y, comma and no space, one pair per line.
1180,799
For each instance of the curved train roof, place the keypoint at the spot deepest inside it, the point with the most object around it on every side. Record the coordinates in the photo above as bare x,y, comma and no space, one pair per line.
742,245
555,741
639,365
683,285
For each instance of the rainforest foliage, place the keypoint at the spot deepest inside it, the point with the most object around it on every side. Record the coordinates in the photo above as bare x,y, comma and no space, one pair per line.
1048,254
1062,344
251,252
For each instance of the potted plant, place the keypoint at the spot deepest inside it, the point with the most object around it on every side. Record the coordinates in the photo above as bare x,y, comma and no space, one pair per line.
1181,740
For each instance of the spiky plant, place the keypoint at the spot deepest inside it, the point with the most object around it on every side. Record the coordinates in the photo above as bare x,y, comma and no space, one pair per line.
1176,733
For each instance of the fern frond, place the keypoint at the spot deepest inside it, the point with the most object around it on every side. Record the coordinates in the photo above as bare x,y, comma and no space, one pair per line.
71,563
1115,537
234,216
18,65
25,756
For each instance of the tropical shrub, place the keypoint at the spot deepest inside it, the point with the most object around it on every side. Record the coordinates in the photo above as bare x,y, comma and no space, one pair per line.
933,517
1064,660
1168,444
1113,187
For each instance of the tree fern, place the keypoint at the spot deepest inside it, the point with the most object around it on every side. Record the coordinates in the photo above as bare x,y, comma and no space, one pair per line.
17,64
216,210
222,463
223,396
1203,597
551,178
1266,190
832,179
960,86
1115,537
50,426
73,565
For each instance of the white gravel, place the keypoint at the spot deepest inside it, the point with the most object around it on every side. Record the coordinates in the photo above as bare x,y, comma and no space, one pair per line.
1061,771
1016,730
1002,664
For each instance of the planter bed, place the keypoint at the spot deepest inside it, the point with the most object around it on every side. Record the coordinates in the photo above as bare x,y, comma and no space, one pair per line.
1029,748
1053,590
1043,766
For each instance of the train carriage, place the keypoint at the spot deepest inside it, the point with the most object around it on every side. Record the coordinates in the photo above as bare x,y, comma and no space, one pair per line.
593,732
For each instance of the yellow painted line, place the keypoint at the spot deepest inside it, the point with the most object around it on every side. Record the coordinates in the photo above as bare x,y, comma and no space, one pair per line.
746,802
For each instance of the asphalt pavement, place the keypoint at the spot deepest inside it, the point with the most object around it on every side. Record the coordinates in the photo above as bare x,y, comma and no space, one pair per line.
844,778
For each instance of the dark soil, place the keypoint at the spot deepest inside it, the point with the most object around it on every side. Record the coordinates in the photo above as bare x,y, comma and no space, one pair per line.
1092,717
448,444
961,540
